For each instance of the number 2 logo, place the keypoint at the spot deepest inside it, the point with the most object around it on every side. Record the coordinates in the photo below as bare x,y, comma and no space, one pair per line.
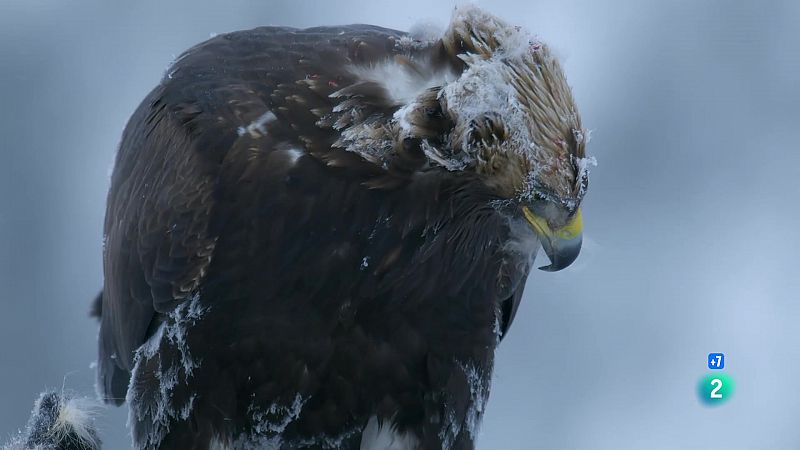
715,389
717,383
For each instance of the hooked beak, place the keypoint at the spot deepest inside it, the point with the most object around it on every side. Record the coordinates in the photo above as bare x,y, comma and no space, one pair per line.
562,245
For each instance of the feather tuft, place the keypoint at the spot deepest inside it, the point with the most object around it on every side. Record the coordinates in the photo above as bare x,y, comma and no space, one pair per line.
59,422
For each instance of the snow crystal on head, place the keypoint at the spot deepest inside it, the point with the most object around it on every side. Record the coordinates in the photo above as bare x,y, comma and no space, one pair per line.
483,88
426,31
484,31
511,111
420,35
583,171
512,75
402,83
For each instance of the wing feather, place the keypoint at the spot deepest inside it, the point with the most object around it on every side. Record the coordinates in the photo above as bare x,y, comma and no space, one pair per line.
231,112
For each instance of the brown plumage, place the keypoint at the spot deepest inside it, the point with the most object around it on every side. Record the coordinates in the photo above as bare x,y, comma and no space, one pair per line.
316,238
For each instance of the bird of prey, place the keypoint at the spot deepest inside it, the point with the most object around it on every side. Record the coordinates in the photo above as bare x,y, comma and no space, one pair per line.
316,238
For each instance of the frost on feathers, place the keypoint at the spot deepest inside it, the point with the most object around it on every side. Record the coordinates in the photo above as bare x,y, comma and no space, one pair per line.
181,319
513,75
426,31
507,74
479,394
327,442
421,34
269,424
59,422
456,422
152,410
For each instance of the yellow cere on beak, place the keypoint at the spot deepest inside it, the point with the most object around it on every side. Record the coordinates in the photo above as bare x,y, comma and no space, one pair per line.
563,244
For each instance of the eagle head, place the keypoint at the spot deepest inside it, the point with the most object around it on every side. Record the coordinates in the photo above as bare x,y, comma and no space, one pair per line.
488,99
516,125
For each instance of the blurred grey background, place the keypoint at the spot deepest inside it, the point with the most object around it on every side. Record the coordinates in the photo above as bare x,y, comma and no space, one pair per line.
691,218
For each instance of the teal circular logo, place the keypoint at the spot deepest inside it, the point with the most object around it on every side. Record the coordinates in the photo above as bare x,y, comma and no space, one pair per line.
715,388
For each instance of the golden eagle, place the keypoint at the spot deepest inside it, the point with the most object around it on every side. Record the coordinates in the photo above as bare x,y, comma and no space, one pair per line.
316,238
